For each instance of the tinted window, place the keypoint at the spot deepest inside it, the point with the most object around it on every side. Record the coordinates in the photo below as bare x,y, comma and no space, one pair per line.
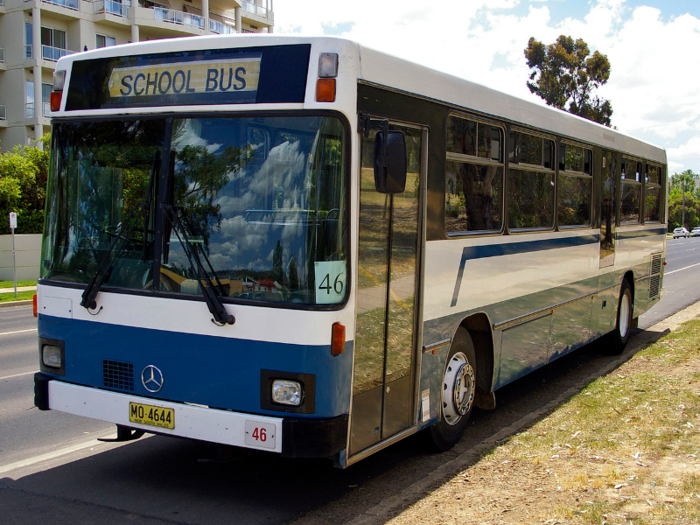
530,199
473,197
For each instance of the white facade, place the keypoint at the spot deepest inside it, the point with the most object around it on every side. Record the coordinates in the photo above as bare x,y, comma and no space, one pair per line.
34,34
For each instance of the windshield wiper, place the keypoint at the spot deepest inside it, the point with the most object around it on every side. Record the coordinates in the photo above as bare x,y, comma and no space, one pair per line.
88,298
216,307
124,233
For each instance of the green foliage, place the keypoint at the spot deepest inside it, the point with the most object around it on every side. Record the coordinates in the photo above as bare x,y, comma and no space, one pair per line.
684,183
565,75
23,176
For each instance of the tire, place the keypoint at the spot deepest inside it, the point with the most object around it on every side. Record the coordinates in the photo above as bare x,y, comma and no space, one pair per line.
457,394
623,326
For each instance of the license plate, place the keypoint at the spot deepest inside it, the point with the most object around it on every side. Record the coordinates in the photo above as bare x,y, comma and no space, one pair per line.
150,415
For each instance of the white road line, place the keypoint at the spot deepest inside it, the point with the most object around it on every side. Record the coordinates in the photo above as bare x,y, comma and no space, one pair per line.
19,375
679,269
92,443
19,331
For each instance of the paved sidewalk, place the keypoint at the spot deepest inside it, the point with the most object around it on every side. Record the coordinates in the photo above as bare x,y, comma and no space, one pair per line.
19,289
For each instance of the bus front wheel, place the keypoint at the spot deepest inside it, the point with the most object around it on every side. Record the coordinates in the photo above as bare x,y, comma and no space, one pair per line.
457,393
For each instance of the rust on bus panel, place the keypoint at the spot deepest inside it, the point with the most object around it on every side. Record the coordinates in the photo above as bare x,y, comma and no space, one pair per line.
198,77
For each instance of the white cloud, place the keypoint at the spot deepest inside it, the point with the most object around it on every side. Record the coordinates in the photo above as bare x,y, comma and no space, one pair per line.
654,82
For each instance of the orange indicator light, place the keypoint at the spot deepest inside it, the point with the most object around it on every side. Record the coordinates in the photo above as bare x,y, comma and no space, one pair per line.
338,339
325,90
56,100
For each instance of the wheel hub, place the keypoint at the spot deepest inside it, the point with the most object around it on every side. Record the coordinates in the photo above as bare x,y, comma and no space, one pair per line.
624,315
457,388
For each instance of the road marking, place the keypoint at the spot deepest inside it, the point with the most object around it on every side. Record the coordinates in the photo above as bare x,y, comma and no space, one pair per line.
55,454
679,269
19,375
19,331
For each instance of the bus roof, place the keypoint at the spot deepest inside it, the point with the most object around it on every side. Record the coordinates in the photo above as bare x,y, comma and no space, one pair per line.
375,67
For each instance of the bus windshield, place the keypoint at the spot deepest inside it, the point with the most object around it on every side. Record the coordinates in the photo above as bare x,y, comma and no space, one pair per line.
261,202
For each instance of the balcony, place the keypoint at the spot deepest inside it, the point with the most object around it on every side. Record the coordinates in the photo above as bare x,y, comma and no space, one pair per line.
218,26
70,4
110,7
52,54
45,110
178,17
251,7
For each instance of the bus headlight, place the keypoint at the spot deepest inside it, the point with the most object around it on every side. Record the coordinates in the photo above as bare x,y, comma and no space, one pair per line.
286,392
51,356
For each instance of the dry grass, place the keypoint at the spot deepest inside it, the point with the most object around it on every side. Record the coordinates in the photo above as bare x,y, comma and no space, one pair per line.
625,450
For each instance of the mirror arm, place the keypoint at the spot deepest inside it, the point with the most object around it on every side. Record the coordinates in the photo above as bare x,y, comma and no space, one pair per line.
365,124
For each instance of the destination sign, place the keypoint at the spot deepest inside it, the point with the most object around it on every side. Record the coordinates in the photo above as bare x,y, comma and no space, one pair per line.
250,75
202,77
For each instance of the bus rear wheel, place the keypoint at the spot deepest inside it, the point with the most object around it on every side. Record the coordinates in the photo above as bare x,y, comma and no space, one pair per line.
457,393
623,326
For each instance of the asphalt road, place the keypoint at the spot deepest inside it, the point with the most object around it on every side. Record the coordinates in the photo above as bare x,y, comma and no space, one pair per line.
53,470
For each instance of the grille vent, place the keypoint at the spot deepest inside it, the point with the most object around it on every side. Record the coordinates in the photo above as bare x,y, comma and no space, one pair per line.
655,281
118,375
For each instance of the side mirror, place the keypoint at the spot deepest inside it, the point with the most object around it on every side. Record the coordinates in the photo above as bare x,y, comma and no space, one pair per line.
390,162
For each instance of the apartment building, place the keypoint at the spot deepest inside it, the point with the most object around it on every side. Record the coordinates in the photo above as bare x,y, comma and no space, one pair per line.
34,34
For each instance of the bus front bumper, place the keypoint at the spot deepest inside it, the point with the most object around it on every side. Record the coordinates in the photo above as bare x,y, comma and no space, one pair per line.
290,437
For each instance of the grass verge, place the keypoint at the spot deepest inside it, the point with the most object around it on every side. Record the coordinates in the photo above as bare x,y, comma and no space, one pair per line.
11,284
625,450
21,296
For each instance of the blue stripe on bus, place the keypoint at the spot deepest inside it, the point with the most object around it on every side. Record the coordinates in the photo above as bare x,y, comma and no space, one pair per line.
640,233
512,248
215,371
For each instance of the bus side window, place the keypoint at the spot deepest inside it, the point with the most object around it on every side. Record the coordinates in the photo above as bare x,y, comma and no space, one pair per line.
574,186
653,196
473,177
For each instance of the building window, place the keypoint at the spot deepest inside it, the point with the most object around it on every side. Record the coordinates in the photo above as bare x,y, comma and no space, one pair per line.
29,113
46,99
28,40
105,41
473,177
53,37
53,43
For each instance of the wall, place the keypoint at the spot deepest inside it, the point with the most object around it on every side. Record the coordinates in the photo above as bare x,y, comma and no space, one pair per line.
27,252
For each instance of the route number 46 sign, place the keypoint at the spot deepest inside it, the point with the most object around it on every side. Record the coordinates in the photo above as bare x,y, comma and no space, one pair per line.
330,281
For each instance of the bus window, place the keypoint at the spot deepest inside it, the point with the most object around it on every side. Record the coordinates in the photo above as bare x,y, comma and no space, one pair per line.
473,177
575,182
530,182
630,192
652,194
103,174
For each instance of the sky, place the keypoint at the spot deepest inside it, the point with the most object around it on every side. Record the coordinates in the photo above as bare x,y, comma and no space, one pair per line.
653,47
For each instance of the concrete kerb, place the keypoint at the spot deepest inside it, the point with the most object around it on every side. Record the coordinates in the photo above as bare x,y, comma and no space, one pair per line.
392,506
8,304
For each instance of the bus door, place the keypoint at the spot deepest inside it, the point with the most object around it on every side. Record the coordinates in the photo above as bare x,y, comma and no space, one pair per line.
387,300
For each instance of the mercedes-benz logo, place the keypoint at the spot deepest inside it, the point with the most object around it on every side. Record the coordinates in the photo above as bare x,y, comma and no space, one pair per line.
152,379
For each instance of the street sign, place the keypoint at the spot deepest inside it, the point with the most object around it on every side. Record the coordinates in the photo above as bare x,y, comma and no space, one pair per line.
13,220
